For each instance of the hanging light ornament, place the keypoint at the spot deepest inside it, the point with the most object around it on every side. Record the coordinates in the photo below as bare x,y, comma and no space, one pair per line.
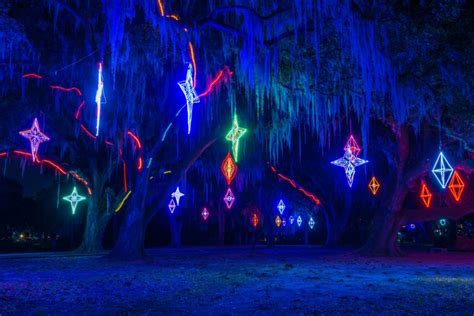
283,222
229,168
74,198
177,195
205,214
254,220
374,185
98,97
442,170
311,223
299,220
292,219
229,198
456,186
234,135
36,137
190,94
350,160
281,207
278,221
443,222
171,206
425,195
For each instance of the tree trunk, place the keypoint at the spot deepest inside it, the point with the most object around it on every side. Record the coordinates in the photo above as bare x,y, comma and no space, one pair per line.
176,227
221,225
94,230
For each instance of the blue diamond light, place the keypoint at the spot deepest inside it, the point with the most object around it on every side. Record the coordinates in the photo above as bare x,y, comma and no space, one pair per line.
442,170
311,223
281,207
299,220
292,219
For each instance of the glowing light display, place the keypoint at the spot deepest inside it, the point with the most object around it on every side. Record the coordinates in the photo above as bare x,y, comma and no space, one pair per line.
177,195
74,198
229,168
254,220
311,223
98,97
292,219
171,206
443,222
281,207
412,226
119,207
229,198
299,220
442,170
36,137
67,89
234,135
350,160
425,195
190,94
277,221
456,186
205,214
283,222
374,185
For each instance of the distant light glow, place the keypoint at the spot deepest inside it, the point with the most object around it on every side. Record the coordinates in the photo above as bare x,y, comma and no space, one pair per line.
443,222
79,109
75,89
172,206
442,170
292,219
254,220
32,75
136,139
36,137
281,207
124,168
205,214
177,195
283,222
74,198
456,186
229,198
311,223
277,221
161,7
87,132
234,135
299,221
193,59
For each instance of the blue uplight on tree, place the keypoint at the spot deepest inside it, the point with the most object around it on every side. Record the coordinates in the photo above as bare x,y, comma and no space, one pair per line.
442,170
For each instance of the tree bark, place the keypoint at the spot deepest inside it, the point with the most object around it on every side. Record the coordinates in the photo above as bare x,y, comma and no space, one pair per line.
94,229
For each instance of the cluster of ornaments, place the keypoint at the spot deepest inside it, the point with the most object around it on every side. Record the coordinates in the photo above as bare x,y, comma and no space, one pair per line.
279,221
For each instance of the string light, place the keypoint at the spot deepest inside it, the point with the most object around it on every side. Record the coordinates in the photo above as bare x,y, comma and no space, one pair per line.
229,168
32,75
190,94
74,198
36,137
281,207
98,97
229,198
374,185
442,170
425,195
135,138
234,135
123,201
177,195
67,89
456,186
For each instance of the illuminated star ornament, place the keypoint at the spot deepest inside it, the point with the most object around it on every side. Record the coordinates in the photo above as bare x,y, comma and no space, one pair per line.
311,223
281,207
442,170
98,98
456,186
171,206
190,94
350,160
278,221
234,135
425,195
205,214
36,137
177,195
229,168
299,220
374,185
229,198
74,198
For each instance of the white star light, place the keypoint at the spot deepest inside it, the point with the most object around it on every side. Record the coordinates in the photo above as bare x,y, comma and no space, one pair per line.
350,160
177,195
36,137
190,94
74,198
442,170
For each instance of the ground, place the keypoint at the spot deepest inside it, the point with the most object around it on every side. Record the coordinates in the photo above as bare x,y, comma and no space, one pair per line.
286,280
